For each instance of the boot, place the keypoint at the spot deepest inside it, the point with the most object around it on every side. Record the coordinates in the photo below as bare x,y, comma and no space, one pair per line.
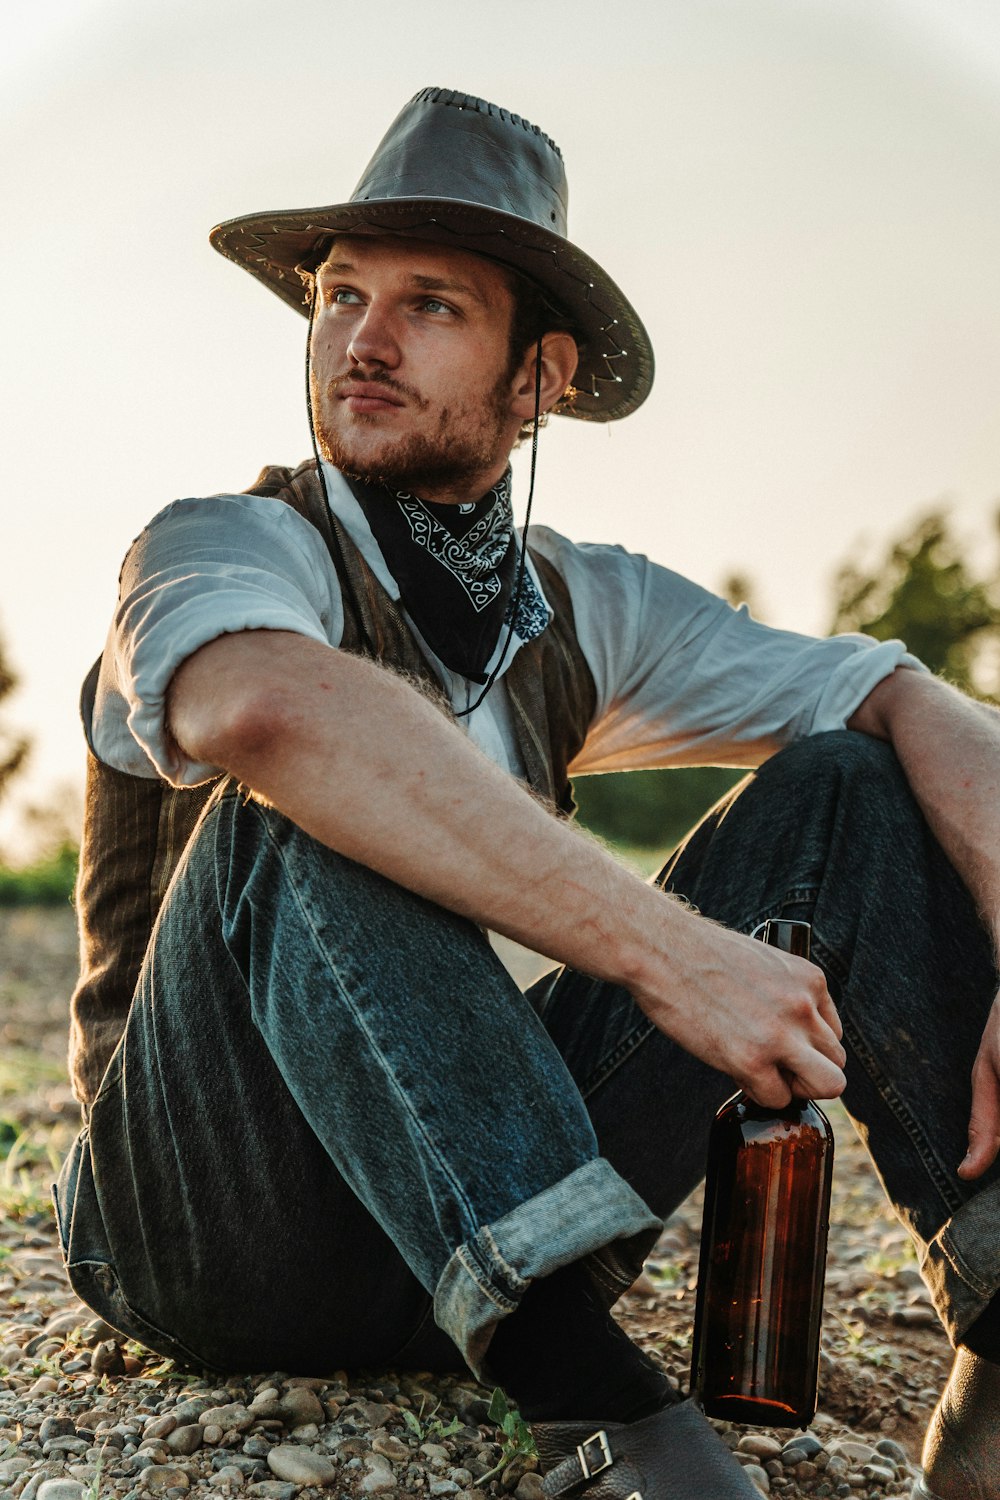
961,1457
673,1455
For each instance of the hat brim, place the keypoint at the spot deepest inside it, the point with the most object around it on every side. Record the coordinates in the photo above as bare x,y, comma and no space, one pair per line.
616,363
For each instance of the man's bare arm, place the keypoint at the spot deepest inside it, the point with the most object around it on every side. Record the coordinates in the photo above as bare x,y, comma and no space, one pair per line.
368,766
949,747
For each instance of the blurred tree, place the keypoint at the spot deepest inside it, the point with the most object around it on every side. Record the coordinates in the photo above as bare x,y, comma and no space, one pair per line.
650,809
13,748
925,593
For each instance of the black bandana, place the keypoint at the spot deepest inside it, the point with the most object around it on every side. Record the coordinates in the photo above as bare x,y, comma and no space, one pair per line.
455,566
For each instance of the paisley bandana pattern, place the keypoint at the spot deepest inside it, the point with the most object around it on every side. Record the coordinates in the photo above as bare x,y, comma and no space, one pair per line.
456,568
473,558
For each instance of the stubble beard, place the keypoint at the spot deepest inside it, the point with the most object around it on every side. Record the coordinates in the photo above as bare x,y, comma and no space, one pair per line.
465,444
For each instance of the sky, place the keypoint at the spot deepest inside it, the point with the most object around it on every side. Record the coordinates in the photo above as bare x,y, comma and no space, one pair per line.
800,197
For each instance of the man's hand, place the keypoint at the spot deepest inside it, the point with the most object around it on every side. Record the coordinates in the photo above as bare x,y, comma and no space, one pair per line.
984,1125
949,748
761,1015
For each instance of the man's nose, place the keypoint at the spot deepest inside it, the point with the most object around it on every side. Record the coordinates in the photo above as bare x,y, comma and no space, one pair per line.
374,341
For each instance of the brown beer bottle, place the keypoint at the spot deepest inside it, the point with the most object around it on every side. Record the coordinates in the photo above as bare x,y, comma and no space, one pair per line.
763,1252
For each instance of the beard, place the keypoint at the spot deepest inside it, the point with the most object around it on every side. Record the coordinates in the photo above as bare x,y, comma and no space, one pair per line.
463,443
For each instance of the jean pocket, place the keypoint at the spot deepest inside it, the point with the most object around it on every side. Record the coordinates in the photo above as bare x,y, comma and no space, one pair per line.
96,1282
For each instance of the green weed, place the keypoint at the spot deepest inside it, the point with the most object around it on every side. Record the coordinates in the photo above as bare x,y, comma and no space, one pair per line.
430,1429
516,1440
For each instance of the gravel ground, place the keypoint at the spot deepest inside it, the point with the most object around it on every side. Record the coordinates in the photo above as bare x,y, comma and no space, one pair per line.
83,1414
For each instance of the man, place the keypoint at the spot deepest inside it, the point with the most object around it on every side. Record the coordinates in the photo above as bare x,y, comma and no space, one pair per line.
333,1131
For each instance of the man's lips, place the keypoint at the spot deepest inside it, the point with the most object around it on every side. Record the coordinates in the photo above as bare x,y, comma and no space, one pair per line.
366,397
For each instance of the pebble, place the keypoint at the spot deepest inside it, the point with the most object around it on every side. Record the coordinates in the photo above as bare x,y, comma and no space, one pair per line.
185,1440
160,1477
300,1465
59,1489
759,1445
300,1405
233,1417
228,1474
391,1447
529,1488
273,1489
759,1477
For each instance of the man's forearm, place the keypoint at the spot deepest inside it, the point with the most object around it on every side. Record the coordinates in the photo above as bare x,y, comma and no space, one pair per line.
949,748
369,767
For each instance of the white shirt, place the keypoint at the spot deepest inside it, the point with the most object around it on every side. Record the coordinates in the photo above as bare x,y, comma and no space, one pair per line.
682,678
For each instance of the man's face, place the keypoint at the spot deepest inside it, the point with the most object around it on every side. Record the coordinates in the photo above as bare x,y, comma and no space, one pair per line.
410,366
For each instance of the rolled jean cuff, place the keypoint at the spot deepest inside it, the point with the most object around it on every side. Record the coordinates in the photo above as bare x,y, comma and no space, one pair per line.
961,1265
591,1215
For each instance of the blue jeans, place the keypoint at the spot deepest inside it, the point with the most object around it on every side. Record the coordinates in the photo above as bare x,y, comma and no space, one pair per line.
335,1133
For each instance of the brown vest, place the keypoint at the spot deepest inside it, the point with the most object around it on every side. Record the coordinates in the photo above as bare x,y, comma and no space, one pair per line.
135,828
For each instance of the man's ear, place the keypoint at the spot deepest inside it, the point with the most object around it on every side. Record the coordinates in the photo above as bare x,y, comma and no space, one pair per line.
559,361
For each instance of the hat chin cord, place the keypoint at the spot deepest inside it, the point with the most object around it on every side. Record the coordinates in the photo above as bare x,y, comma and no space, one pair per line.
464,712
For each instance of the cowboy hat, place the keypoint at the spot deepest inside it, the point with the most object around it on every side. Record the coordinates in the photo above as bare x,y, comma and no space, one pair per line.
456,170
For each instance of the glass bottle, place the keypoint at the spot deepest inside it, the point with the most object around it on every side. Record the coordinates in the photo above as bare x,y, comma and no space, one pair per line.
763,1252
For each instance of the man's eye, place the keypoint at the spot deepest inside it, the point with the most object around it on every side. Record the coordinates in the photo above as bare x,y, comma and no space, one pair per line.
344,295
435,305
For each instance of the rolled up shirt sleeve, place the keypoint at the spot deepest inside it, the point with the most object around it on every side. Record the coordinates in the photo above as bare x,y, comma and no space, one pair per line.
685,679
202,569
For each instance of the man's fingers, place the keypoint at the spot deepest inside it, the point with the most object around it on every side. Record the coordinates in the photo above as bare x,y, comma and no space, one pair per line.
984,1122
768,1089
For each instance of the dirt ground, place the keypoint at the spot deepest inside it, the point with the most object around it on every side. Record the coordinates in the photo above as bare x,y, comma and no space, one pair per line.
884,1355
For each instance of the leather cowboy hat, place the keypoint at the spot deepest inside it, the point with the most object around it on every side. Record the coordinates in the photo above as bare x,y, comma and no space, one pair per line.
456,170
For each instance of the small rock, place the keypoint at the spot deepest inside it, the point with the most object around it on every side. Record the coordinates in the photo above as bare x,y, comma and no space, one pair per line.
307,1433
56,1427
189,1411
300,1405
300,1465
391,1447
918,1315
529,1488
233,1417
892,1450
10,1468
759,1444
373,1413
273,1489
96,1331
185,1440
445,1487
377,1480
159,1427
160,1477
434,1451
43,1386
60,1489
257,1447
211,1434
107,1359
246,1466
880,1473
759,1477
855,1453
805,1443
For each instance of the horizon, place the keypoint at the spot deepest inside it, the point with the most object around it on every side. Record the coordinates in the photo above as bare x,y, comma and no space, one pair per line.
798,198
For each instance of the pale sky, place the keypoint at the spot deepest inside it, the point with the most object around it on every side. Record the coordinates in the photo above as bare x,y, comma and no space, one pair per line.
800,197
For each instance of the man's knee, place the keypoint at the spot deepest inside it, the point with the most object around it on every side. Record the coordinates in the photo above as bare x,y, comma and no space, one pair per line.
841,759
